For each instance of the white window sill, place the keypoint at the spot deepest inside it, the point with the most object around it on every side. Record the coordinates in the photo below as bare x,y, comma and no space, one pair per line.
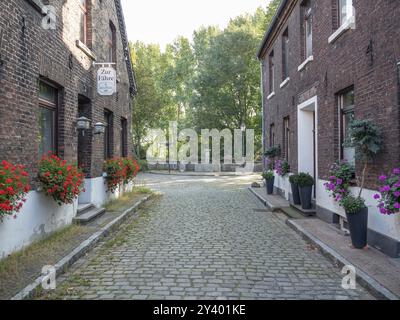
86,50
349,24
271,96
306,62
284,83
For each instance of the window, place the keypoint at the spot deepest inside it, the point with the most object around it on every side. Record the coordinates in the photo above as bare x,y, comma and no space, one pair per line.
285,55
345,10
124,137
286,138
83,20
272,135
346,109
271,72
307,28
112,44
108,135
48,97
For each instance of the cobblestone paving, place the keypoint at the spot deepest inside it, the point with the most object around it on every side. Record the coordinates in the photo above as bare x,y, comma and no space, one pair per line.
206,238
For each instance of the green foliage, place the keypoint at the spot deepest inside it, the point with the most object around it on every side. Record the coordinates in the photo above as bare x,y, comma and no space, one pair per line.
268,175
305,180
366,138
213,82
294,179
143,165
352,204
273,152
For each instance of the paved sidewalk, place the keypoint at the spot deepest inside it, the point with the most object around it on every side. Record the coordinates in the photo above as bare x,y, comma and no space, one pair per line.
376,265
206,238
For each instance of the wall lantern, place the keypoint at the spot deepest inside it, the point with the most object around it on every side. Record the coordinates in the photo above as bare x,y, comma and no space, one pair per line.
83,123
99,128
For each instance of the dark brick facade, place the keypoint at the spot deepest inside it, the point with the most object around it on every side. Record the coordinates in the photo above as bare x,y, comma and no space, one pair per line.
365,58
28,53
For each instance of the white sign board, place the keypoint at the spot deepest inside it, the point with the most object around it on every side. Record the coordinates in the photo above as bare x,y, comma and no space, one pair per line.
106,81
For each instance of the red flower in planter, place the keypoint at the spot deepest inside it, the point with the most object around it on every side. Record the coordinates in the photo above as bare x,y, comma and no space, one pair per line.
120,171
13,188
60,180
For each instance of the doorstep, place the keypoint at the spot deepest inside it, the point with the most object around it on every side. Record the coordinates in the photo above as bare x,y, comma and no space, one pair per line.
376,271
273,202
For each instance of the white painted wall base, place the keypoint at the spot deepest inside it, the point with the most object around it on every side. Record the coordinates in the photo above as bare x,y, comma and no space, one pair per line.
39,217
386,225
283,184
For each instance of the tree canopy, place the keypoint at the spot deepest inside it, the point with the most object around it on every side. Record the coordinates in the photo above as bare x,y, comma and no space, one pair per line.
211,82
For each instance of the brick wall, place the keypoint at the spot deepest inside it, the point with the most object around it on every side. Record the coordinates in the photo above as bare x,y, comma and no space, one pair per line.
28,52
338,66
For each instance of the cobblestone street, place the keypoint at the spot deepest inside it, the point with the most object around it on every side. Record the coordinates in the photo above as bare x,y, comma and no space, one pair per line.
205,238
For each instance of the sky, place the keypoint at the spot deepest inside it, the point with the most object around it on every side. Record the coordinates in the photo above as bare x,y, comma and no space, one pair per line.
162,21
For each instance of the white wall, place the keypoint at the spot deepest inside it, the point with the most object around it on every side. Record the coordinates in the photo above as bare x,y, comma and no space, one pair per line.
283,184
39,217
387,225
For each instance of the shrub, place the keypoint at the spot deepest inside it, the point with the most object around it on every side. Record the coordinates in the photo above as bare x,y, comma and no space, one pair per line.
273,152
143,165
340,178
294,179
282,168
353,204
120,170
14,185
60,180
305,180
268,175
389,197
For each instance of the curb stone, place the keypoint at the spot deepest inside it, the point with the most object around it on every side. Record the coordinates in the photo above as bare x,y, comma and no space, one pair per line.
366,281
61,267
265,202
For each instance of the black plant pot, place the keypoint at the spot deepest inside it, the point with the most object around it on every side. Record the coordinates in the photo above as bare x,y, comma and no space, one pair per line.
305,197
358,225
296,194
270,186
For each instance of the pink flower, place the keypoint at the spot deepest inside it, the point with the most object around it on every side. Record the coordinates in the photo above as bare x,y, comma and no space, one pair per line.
383,211
377,196
382,178
385,189
397,194
397,205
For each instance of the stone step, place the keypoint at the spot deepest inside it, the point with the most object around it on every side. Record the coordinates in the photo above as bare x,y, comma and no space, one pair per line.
89,215
84,207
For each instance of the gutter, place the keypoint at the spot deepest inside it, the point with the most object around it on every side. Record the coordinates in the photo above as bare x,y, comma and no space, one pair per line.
272,26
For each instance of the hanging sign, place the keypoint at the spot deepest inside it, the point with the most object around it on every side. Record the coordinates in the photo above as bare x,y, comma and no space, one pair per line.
106,81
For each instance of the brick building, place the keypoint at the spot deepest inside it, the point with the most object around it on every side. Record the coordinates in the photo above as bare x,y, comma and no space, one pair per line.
49,56
324,63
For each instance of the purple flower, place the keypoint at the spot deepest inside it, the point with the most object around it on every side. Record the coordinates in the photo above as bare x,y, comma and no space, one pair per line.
383,178
385,189
332,178
397,185
397,205
339,182
396,171
377,196
383,211
397,194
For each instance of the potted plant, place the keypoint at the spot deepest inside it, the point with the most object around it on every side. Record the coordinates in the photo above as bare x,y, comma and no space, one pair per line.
305,183
269,177
366,138
282,168
293,179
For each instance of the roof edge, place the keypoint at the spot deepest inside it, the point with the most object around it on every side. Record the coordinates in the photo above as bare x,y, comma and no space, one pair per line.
271,28
125,43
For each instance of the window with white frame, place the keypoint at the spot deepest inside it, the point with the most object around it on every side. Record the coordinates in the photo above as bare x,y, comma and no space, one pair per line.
271,64
346,111
345,11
